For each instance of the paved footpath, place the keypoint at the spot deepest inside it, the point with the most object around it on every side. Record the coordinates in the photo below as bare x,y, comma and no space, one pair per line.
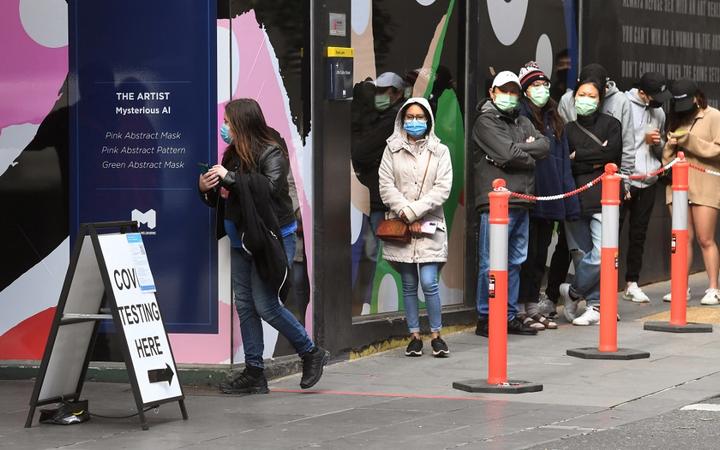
388,401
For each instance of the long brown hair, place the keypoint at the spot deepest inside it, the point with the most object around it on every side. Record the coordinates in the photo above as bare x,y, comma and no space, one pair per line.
251,134
537,117
677,119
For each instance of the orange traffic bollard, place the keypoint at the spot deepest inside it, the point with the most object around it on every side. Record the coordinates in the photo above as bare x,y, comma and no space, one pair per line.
678,258
608,349
497,381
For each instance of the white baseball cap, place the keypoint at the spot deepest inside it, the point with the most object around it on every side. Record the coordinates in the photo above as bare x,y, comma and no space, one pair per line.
389,79
506,77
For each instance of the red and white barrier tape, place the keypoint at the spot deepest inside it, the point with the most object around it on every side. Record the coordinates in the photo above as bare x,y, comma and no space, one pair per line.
585,187
705,170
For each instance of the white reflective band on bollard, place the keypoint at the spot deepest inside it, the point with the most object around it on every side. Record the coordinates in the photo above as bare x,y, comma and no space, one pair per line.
679,210
498,246
610,226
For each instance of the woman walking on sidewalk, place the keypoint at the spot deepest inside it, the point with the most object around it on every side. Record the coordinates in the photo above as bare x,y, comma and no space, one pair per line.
694,128
552,176
595,139
415,181
251,194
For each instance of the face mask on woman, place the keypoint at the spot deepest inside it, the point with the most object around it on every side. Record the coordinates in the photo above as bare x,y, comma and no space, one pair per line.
586,106
506,102
225,134
539,95
415,128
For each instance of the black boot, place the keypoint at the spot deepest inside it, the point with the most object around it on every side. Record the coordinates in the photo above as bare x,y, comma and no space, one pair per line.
250,381
313,363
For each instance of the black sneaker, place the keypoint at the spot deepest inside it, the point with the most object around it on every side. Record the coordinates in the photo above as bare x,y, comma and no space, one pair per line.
414,348
482,327
245,383
313,364
440,348
515,326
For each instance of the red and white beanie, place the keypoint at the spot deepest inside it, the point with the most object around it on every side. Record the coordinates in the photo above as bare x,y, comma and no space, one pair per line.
530,73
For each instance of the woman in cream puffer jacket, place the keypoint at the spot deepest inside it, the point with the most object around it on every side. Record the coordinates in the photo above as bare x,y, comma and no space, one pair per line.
415,180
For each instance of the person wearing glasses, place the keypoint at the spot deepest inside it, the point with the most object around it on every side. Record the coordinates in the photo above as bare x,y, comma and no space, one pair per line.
415,180
553,176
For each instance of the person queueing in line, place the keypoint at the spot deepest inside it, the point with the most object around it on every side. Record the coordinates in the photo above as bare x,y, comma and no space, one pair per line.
646,102
594,140
694,128
616,104
250,192
553,176
370,130
415,180
506,145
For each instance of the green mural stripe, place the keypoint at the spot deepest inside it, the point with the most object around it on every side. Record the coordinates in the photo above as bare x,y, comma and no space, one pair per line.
439,49
450,129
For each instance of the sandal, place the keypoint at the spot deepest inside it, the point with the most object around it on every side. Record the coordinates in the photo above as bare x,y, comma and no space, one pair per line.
546,323
532,323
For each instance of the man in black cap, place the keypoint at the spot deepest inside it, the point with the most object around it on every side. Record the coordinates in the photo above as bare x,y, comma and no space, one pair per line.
646,101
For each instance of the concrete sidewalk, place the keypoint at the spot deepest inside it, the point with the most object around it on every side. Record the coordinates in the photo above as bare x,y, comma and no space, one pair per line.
390,401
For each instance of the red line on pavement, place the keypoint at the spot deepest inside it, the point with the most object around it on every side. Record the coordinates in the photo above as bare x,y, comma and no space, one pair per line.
375,394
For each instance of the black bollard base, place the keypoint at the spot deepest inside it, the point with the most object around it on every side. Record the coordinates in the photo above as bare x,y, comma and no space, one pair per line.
620,354
690,327
511,387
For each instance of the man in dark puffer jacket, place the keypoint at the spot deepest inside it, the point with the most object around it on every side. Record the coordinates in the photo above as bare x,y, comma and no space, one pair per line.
506,146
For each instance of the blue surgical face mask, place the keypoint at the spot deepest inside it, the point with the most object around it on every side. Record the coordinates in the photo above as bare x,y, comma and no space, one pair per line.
415,128
225,134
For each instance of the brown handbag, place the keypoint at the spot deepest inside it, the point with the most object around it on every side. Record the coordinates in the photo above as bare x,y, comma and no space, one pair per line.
396,230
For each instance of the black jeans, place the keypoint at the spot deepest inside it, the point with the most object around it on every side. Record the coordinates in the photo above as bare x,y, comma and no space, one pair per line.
639,207
559,265
533,269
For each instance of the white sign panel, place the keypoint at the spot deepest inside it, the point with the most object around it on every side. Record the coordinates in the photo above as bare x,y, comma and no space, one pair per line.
134,287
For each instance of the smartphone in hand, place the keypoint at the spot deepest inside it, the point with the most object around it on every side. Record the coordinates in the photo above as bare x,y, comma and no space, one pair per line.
204,167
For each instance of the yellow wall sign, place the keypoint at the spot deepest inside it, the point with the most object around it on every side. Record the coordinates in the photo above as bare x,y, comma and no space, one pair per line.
340,52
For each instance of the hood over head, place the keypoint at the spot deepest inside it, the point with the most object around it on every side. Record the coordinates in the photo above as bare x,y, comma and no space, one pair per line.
399,137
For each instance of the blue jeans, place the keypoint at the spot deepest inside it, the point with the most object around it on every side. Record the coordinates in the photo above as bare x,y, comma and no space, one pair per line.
255,300
429,282
518,229
584,242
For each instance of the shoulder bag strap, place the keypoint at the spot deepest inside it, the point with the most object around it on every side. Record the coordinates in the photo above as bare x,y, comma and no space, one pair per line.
590,134
422,184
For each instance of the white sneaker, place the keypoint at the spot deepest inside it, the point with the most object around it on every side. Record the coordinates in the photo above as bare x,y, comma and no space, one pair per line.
570,309
547,308
635,294
711,297
591,316
668,297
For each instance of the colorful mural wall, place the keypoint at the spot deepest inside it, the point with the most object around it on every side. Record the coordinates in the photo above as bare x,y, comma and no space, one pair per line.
424,52
34,231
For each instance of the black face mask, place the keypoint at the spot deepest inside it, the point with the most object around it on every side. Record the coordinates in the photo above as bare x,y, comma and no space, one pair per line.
687,115
654,104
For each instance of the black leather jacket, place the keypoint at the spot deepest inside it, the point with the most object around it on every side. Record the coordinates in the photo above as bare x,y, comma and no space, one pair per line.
274,165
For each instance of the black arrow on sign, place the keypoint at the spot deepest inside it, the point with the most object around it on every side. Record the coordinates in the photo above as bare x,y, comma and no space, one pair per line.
160,375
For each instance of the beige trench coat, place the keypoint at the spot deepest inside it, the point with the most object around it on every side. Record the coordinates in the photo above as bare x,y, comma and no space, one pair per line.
702,147
401,174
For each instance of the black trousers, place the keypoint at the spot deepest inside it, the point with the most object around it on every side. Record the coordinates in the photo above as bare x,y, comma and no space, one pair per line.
639,208
533,269
559,265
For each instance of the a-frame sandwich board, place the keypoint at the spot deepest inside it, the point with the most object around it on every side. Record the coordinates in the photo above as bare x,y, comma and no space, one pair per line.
109,268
